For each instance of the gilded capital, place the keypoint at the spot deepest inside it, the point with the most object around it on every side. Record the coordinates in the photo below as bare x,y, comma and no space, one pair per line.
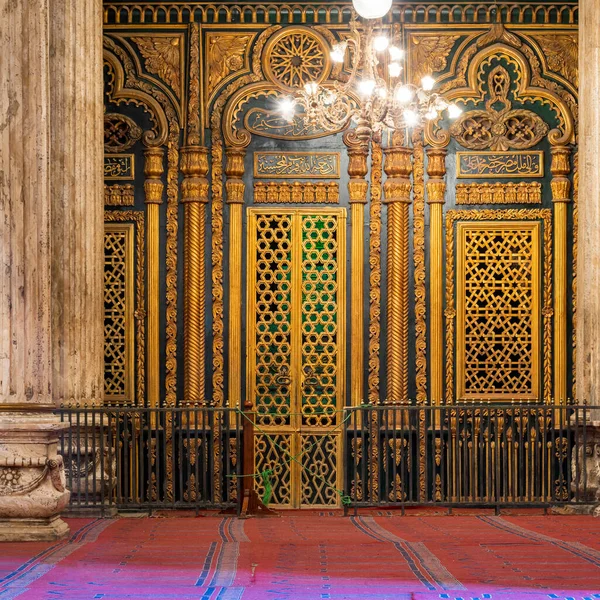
436,162
436,191
357,190
194,166
560,160
153,170
234,170
398,167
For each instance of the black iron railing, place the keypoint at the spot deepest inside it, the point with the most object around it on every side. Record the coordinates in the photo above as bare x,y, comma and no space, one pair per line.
143,458
460,455
475,454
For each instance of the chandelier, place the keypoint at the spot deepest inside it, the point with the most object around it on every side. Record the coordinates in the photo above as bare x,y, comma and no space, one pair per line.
372,95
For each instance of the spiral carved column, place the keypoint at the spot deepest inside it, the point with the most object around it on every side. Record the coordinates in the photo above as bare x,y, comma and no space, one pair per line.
153,189
561,188
397,197
436,190
234,169
358,187
194,196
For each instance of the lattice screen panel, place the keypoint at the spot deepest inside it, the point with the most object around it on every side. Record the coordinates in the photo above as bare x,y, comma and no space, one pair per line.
118,311
498,310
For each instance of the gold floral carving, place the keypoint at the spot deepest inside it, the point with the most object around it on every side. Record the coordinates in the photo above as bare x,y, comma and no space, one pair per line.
301,192
375,273
118,195
575,245
120,132
499,193
561,53
225,56
193,122
163,58
521,214
123,216
499,129
429,54
420,299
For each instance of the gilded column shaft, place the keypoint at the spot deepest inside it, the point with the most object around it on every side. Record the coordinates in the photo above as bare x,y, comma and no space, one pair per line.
194,196
357,191
561,188
153,188
436,190
234,186
397,197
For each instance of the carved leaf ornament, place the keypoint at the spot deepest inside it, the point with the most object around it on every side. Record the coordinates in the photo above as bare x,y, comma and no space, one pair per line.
499,127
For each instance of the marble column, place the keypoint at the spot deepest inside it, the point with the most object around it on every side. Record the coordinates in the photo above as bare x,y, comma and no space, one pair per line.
588,261
77,226
32,482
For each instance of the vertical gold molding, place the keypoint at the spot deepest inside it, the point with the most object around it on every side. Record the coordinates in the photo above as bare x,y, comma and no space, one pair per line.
234,187
153,189
194,196
436,190
357,191
397,197
375,273
561,187
575,247
419,267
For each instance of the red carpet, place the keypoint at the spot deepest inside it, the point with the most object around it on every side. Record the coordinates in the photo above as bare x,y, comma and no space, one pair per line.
372,556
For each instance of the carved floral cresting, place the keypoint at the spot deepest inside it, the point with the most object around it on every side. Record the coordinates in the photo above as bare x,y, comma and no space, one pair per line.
562,55
430,54
499,126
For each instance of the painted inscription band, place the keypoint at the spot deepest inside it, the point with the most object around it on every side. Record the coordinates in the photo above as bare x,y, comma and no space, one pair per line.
286,165
500,164
119,166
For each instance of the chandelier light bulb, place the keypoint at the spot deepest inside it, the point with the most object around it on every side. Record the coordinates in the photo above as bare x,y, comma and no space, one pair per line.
454,111
394,69
405,94
372,9
381,92
380,43
338,52
396,53
411,118
428,82
431,114
366,87
287,108
311,88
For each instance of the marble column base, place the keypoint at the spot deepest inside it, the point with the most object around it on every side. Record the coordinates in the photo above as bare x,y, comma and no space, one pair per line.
586,460
32,477
33,530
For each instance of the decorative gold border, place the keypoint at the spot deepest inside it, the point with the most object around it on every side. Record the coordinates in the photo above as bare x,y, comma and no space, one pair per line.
137,314
542,214
127,178
259,175
461,175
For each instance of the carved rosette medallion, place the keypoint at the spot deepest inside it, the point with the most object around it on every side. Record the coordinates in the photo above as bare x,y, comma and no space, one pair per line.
120,132
294,56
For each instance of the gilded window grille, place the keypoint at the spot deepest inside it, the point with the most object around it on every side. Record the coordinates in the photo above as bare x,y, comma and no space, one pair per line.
118,312
124,301
501,316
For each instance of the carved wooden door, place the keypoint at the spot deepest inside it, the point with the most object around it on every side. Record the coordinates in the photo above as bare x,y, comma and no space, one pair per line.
296,340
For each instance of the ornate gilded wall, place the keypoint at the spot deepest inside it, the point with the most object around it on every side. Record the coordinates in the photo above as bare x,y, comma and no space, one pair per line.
248,258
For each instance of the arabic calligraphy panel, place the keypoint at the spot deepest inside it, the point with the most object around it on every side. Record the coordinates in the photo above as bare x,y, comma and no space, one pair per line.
500,164
287,165
118,166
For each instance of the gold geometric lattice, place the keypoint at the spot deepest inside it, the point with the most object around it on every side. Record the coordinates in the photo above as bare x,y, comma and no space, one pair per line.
295,56
498,309
320,348
272,454
118,257
273,318
319,472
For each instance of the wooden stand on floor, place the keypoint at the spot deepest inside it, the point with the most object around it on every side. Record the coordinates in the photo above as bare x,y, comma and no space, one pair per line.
252,505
